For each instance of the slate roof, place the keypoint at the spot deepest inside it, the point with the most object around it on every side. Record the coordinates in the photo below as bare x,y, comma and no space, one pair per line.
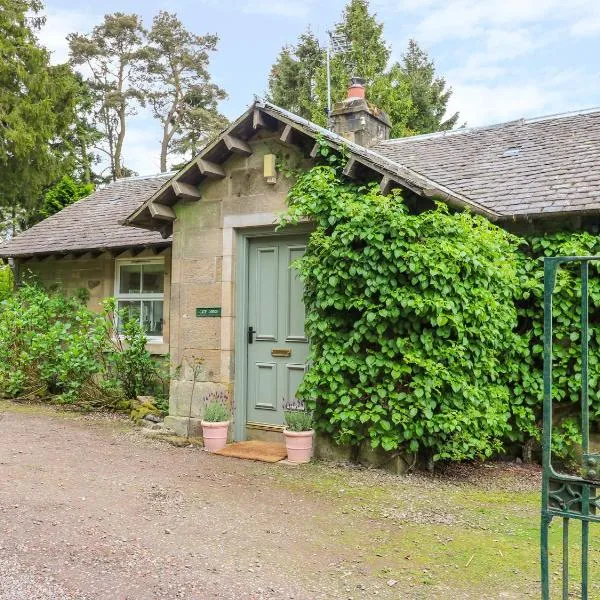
525,168
92,223
422,183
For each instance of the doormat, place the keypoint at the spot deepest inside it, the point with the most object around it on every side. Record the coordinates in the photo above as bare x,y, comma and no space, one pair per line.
255,450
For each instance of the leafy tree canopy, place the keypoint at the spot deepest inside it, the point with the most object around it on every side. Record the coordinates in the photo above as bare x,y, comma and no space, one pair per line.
293,77
181,93
113,52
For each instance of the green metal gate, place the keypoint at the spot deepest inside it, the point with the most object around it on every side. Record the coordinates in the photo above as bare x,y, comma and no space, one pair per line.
565,496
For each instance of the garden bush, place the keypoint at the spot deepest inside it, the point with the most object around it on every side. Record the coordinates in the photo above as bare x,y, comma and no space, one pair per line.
525,369
53,347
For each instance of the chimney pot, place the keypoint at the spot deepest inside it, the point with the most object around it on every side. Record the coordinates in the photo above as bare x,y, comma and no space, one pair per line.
357,88
357,120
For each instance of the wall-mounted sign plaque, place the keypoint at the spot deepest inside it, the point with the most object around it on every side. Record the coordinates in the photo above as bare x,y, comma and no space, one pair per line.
209,311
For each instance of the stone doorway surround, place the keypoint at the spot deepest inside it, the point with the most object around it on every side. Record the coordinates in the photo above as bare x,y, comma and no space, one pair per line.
237,231
188,398
208,236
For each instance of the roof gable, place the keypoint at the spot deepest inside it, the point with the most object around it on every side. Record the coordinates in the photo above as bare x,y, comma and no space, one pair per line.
156,213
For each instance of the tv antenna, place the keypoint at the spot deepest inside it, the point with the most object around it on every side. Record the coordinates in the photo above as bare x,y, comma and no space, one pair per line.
337,43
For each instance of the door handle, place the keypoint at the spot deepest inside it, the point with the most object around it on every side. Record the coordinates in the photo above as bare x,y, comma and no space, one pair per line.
251,333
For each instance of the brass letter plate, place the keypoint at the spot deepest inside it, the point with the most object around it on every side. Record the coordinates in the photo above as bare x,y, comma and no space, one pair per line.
281,352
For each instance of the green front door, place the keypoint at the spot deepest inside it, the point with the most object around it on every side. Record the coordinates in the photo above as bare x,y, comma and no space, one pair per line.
276,342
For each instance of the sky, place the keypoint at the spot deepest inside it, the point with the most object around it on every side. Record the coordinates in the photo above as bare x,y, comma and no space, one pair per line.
504,59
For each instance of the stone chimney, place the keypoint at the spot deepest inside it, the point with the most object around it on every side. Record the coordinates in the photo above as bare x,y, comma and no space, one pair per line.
357,120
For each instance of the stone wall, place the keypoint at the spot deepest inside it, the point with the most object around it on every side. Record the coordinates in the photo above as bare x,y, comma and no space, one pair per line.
202,349
97,276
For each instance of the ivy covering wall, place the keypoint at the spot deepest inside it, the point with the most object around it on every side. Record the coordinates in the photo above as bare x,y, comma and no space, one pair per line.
426,328
524,370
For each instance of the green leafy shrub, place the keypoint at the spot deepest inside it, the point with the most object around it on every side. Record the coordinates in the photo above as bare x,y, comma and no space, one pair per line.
6,282
64,193
128,362
216,412
410,319
427,329
48,346
53,346
298,420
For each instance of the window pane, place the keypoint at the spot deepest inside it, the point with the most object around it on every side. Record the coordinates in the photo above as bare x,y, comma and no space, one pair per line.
153,279
132,310
130,279
152,317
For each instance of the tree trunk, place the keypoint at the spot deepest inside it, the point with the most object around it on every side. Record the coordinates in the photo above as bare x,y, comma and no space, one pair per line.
168,129
164,148
110,136
119,144
121,116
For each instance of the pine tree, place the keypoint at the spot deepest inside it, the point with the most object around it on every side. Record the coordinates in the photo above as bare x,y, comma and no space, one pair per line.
39,103
409,91
181,93
114,53
293,78
363,52
367,52
428,93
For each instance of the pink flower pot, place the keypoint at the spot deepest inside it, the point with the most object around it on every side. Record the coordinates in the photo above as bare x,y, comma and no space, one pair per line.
299,445
215,435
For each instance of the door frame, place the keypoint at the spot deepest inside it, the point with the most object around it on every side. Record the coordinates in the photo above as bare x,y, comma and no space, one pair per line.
242,256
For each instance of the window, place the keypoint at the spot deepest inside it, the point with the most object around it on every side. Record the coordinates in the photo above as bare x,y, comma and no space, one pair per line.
140,293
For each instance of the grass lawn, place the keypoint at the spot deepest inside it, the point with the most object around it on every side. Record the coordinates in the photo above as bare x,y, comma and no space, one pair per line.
470,532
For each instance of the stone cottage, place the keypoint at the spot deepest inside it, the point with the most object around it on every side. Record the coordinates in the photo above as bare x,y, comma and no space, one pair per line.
197,257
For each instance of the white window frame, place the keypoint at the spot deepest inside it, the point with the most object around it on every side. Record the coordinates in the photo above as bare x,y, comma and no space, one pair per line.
122,262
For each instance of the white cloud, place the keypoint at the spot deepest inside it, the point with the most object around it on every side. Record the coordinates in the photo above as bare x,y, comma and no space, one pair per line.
586,27
480,104
551,91
59,24
506,45
284,8
498,48
461,19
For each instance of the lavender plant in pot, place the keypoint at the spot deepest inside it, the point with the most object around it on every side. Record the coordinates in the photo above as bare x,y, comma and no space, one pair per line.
299,433
215,426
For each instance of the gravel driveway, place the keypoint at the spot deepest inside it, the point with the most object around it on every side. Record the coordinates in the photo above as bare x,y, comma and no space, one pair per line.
90,509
